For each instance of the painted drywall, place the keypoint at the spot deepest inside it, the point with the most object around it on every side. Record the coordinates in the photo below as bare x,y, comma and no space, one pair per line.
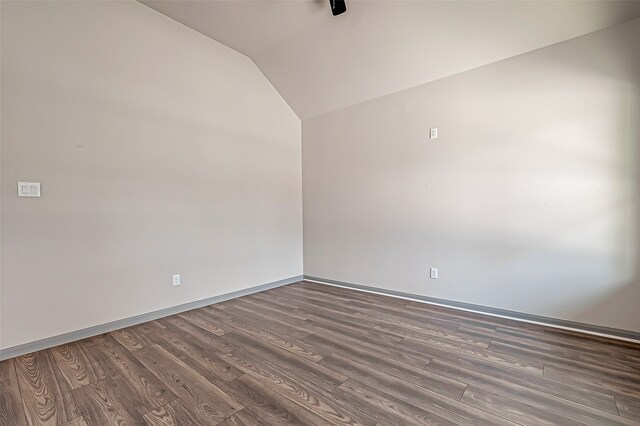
319,62
527,201
159,150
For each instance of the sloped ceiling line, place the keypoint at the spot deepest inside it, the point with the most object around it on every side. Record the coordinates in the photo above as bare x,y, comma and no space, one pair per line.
320,63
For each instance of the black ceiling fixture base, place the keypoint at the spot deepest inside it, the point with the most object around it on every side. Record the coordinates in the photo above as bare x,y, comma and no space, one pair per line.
338,7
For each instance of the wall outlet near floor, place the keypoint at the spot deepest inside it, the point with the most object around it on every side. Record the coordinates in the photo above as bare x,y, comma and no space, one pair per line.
433,273
176,279
433,133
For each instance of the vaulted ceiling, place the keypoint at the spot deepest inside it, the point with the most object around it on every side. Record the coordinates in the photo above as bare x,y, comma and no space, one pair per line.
320,63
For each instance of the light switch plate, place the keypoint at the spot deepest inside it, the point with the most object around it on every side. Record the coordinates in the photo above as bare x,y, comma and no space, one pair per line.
28,189
433,273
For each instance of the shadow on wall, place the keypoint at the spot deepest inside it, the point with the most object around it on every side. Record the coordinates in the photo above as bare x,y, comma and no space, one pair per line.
543,197
574,202
527,202
573,192
623,298
618,301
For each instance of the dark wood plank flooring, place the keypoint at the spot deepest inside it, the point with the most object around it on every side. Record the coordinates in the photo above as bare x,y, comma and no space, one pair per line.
313,354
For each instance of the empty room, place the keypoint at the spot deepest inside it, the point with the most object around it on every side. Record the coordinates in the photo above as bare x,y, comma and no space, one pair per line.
319,212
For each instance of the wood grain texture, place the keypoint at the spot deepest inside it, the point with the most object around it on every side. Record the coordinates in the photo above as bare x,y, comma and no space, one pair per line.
384,406
311,354
513,410
199,335
11,411
198,318
245,417
148,327
77,365
205,400
78,421
46,396
628,407
272,406
234,323
428,400
315,373
142,388
131,339
306,394
104,403
198,357
175,413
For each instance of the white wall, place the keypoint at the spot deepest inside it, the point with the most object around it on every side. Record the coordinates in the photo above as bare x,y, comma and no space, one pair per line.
159,151
528,200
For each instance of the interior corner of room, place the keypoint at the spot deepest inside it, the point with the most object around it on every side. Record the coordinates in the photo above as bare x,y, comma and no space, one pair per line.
162,151
158,157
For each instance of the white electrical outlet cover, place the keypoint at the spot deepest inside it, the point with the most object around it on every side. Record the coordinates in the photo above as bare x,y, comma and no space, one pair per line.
176,279
433,273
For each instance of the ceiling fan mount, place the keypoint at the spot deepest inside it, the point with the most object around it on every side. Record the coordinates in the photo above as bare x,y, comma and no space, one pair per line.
338,7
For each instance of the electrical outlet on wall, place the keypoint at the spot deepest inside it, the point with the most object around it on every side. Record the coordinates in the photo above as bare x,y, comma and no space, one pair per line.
176,279
433,133
433,273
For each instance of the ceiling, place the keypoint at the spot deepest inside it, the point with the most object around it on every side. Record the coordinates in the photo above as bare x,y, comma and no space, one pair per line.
320,63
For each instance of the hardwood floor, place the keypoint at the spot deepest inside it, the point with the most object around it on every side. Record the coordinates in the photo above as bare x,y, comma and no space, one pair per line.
313,354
